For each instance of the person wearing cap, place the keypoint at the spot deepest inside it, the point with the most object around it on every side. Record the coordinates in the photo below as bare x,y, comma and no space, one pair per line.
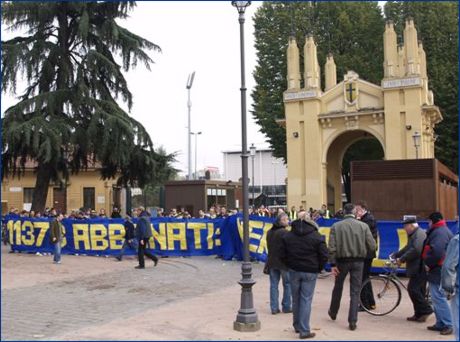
130,238
433,255
411,255
143,234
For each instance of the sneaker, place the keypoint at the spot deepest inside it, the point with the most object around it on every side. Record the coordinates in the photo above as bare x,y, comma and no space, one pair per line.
447,331
155,262
306,335
139,267
287,311
413,318
118,258
352,326
274,312
333,317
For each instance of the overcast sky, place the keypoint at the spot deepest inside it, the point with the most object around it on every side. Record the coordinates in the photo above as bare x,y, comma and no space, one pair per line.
194,36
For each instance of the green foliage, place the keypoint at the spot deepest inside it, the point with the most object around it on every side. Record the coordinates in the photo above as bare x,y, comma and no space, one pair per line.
437,26
352,31
68,116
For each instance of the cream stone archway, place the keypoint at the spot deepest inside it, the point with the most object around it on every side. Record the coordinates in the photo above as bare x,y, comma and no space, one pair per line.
321,123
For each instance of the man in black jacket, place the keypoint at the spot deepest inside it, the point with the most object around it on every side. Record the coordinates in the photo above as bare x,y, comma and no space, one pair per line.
277,269
130,238
143,234
411,254
364,215
304,252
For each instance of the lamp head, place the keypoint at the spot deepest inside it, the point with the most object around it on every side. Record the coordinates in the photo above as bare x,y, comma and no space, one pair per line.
241,5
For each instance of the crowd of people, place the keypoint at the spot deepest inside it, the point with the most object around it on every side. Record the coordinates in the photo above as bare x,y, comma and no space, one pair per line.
298,255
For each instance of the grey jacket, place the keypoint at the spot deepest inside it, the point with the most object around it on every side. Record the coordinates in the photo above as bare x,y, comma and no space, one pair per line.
449,271
411,254
350,239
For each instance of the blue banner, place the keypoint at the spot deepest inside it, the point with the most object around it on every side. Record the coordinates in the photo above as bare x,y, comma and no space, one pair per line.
177,237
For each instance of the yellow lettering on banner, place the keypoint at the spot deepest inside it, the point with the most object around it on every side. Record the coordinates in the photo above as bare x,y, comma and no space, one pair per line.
28,239
402,236
217,240
116,234
43,227
173,236
326,232
10,227
210,236
17,229
98,241
160,236
64,239
253,235
197,227
263,241
80,234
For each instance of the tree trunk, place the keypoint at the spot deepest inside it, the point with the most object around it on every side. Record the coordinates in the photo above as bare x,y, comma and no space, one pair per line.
41,188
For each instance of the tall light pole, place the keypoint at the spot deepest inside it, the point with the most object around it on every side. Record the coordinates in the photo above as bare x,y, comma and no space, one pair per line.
246,319
196,134
189,106
253,156
416,138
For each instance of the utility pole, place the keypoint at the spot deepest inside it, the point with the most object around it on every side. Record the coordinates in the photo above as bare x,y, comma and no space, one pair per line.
189,128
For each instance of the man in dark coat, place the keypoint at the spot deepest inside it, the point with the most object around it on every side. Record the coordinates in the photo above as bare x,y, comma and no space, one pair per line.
57,235
304,252
411,254
350,242
364,215
144,233
130,238
433,255
277,269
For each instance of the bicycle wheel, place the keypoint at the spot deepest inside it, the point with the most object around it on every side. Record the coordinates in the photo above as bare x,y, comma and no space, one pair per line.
387,295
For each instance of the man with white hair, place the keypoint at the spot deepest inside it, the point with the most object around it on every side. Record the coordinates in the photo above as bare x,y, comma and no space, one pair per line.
411,254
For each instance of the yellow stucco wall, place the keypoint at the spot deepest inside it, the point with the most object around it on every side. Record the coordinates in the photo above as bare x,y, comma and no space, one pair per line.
322,124
13,190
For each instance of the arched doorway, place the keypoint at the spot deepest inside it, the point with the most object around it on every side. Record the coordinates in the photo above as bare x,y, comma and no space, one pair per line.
345,148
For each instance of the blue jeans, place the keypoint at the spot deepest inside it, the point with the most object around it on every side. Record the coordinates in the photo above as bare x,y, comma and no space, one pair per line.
57,252
275,275
440,306
454,304
133,244
303,287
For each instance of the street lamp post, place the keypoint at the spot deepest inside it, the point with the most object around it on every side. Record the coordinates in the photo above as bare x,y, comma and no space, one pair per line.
246,319
253,156
274,163
189,128
416,138
196,134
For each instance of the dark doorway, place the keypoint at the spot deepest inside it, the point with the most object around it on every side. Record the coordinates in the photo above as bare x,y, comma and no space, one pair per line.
60,199
365,149
89,198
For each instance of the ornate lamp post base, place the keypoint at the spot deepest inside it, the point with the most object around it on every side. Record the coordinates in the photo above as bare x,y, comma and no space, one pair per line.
246,319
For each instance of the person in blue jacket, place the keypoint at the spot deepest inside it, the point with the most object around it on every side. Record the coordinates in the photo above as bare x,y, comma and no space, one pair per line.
143,234
449,280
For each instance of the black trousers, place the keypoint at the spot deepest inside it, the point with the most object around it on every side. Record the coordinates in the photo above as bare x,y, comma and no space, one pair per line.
355,268
367,295
143,251
417,293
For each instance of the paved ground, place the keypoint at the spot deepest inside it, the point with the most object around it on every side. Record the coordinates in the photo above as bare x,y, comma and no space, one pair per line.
89,298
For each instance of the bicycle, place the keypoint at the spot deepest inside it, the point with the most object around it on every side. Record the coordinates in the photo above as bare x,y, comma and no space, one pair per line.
387,290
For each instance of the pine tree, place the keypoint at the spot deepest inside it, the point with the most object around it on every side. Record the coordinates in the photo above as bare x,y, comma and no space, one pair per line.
68,117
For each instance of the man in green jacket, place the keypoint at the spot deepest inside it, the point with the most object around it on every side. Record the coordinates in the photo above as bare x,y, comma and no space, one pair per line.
57,233
350,241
